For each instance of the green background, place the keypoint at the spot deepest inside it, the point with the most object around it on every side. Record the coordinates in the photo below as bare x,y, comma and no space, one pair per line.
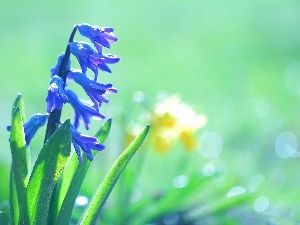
238,62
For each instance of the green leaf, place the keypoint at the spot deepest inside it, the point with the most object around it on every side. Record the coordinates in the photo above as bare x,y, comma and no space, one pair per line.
19,168
13,198
13,201
46,172
73,177
92,212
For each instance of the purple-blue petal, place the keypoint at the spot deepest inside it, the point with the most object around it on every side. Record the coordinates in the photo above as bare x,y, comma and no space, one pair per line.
98,47
97,146
88,152
110,37
82,110
56,95
94,90
104,67
100,36
86,56
78,151
86,143
108,59
111,59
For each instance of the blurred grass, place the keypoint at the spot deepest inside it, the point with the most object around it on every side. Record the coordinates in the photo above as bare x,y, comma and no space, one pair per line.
228,59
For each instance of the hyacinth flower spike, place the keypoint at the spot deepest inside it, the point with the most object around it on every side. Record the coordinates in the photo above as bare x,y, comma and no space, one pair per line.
47,194
86,143
32,125
56,96
63,68
96,91
82,110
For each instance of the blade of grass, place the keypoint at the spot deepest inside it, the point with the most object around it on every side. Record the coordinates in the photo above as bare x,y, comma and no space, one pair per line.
19,169
92,212
73,176
46,172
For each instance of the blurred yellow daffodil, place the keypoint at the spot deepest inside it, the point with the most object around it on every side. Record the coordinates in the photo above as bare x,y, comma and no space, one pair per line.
171,120
174,120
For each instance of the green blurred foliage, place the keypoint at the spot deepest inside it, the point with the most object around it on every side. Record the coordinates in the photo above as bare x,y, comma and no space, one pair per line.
238,62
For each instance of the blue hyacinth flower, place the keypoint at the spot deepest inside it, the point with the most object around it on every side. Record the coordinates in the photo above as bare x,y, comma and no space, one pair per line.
86,56
82,110
55,69
32,125
99,36
56,96
96,91
86,143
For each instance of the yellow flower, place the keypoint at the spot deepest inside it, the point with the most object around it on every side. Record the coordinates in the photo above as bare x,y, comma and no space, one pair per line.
189,140
173,120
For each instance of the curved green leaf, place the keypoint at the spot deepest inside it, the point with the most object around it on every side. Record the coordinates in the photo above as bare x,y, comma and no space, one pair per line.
73,176
13,198
19,168
19,103
92,212
47,170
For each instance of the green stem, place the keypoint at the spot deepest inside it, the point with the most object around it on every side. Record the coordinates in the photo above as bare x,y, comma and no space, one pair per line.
54,118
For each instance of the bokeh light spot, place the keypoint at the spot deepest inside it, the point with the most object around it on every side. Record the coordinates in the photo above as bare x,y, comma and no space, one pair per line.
210,145
286,144
81,201
209,170
255,181
139,96
261,204
236,190
136,194
180,181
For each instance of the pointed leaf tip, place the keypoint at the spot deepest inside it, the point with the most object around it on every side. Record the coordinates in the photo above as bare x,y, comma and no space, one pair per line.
20,104
103,132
